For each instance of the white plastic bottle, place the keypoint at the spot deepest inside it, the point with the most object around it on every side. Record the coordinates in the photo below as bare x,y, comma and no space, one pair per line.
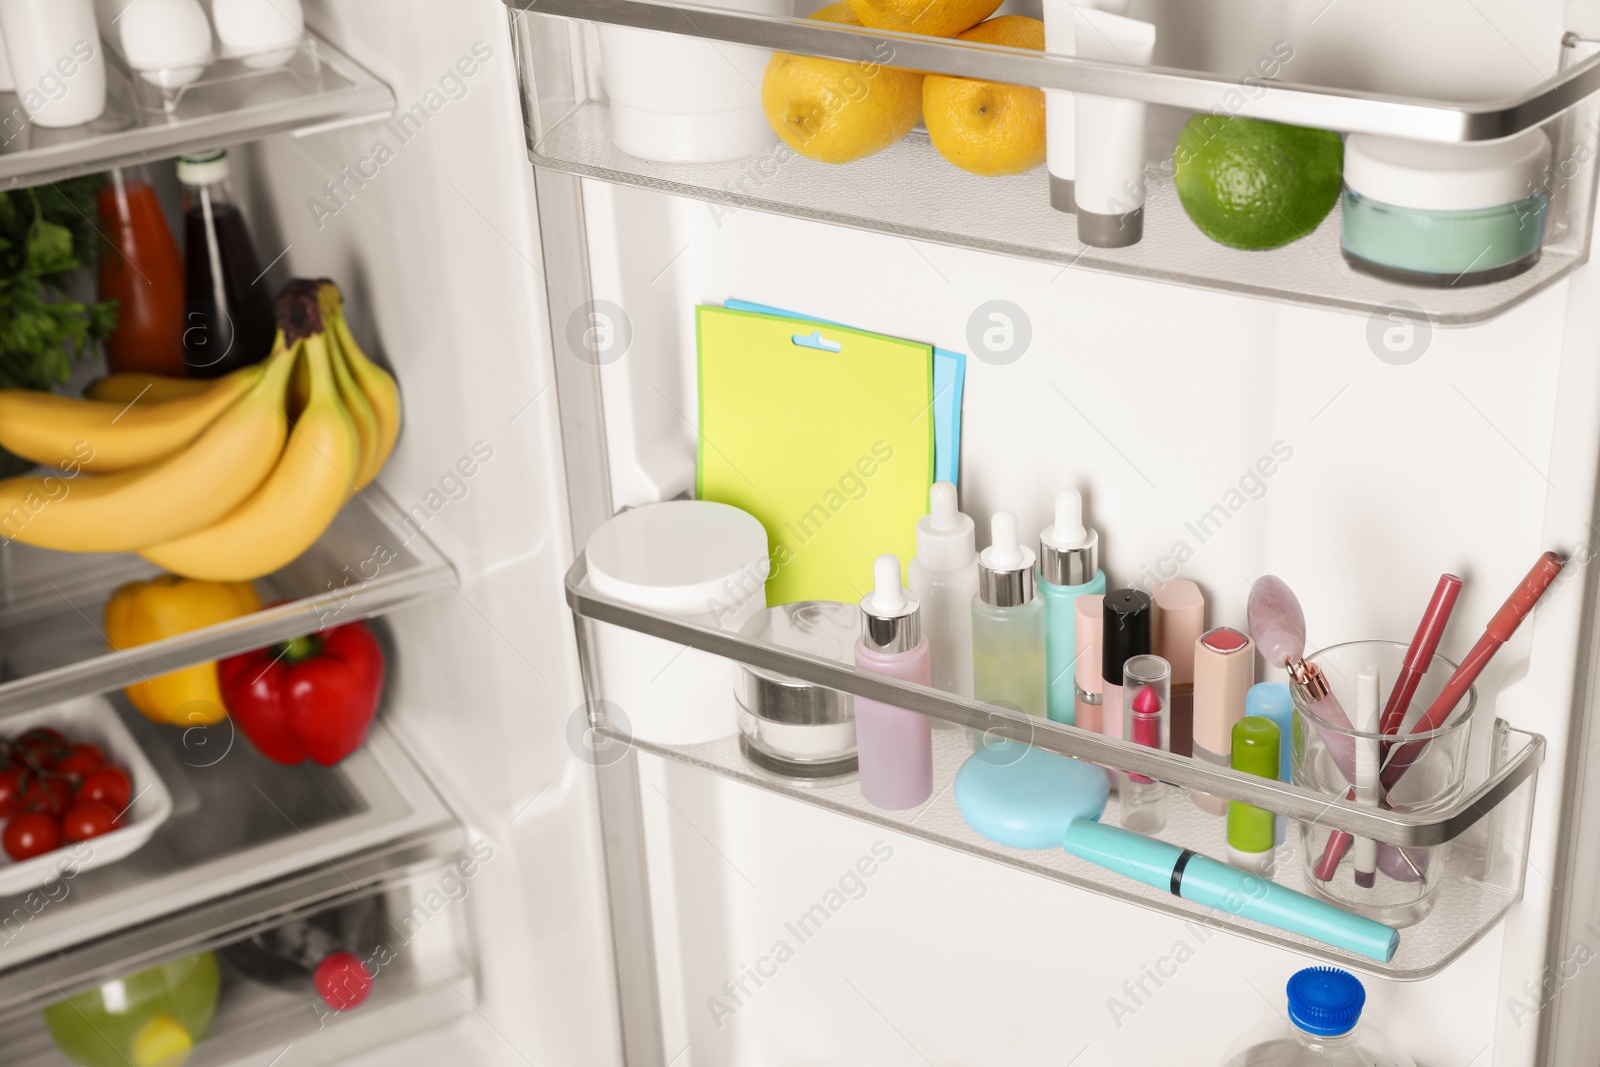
56,59
944,579
1324,1028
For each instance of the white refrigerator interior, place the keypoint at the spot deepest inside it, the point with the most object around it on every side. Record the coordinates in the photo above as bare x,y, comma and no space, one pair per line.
1217,436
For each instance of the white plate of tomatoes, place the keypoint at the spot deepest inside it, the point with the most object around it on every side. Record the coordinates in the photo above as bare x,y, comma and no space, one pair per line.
76,792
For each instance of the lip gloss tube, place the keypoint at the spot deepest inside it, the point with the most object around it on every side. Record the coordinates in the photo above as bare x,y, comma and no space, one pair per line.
1368,755
1224,668
1125,634
1146,685
1273,701
1178,621
1086,685
1252,845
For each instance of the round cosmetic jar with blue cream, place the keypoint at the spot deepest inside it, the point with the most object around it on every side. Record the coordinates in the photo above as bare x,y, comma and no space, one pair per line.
1444,215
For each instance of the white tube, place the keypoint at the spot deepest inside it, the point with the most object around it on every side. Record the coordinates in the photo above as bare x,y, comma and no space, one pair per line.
1060,110
1109,165
1367,756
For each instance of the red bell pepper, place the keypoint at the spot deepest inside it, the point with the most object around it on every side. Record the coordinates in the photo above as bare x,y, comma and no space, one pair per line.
313,697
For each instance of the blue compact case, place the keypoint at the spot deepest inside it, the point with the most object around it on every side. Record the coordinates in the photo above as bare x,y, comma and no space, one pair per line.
1024,797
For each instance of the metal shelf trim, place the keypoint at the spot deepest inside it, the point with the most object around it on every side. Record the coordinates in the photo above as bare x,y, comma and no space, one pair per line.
1398,828
1346,110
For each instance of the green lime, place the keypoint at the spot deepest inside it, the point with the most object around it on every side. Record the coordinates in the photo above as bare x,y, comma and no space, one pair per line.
1253,185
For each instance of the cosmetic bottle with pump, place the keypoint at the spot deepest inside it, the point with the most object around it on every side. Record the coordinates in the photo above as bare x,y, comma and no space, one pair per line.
1007,626
944,578
1069,567
894,746
1126,634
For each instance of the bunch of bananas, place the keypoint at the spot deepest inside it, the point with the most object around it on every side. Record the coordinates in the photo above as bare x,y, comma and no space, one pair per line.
225,480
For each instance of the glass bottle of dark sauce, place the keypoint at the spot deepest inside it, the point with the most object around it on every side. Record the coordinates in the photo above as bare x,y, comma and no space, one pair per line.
227,310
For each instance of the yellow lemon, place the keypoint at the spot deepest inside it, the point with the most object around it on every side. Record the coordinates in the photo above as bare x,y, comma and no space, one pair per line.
936,18
988,128
162,1042
836,111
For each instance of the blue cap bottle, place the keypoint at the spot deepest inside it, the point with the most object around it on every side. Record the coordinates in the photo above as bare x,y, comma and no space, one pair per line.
1325,1012
1325,1001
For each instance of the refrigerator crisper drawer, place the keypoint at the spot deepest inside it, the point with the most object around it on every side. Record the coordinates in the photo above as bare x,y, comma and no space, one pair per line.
246,837
1486,826
908,190
390,950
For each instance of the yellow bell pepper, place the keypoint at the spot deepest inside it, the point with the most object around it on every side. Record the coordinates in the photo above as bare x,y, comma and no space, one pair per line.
141,612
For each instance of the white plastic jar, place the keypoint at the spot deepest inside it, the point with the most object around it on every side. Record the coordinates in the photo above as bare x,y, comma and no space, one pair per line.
678,99
696,560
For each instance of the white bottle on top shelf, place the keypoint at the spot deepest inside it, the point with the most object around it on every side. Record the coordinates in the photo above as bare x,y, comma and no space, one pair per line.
56,60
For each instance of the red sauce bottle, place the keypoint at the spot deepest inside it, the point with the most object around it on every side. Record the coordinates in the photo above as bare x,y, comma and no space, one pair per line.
143,273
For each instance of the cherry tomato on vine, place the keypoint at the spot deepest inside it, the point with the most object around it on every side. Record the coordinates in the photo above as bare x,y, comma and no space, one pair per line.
48,796
81,760
31,834
109,786
88,820
13,781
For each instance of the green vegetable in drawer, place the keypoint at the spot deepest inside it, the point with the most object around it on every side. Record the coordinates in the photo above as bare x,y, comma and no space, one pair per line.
151,1018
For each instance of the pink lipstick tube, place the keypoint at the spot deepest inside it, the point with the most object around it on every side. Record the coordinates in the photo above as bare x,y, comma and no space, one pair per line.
1224,671
1178,620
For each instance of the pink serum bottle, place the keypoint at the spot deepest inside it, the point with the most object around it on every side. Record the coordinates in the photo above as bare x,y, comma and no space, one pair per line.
894,746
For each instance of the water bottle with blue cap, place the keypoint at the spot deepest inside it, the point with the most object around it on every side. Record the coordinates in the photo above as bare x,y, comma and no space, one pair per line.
1323,1029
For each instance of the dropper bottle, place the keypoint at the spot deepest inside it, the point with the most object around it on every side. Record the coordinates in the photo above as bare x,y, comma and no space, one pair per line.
944,579
1069,567
894,746
1007,626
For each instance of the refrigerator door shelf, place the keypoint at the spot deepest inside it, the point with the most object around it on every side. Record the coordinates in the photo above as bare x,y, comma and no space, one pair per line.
317,87
370,561
1329,107
420,954
1483,880
1488,826
908,190
247,838
1515,764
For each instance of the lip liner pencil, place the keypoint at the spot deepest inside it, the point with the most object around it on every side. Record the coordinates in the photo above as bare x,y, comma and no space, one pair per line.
1403,754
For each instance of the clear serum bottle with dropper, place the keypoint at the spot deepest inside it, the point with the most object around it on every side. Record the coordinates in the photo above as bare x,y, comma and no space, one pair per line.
894,747
1007,626
1069,567
944,578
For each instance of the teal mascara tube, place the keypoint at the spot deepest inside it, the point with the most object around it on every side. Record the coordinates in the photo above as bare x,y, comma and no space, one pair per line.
1189,875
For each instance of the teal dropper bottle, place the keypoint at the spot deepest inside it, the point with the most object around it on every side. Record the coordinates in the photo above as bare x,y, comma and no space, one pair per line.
1069,567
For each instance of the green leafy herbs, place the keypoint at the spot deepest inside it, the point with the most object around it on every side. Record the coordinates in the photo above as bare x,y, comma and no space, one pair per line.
47,240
